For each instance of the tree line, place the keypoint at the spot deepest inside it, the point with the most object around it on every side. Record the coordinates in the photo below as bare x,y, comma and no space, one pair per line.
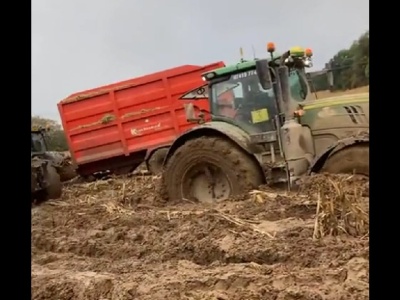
350,67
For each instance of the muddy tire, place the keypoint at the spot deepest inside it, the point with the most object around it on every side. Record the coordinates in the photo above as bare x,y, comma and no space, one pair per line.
67,173
210,169
54,190
156,160
353,159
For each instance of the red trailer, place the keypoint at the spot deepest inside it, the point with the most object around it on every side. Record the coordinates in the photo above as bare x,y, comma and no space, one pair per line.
118,126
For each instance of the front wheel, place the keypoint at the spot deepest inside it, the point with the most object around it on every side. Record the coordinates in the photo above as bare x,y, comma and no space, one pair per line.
210,169
352,160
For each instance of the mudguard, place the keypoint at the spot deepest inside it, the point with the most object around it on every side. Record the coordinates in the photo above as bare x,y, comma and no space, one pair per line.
151,151
232,132
339,145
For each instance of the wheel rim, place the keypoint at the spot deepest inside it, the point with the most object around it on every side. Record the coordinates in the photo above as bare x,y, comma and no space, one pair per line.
206,183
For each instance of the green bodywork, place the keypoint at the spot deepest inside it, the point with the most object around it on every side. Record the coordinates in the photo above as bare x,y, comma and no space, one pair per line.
336,118
241,66
346,111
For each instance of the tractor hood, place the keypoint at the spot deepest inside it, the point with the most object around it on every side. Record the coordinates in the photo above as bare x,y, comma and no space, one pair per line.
342,114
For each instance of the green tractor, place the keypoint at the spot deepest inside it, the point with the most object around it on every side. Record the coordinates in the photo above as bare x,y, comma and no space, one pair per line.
45,181
271,131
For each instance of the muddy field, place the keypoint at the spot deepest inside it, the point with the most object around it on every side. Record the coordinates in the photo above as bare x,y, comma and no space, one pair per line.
118,239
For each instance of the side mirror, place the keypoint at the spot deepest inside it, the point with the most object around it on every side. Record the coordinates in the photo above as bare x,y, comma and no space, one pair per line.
263,73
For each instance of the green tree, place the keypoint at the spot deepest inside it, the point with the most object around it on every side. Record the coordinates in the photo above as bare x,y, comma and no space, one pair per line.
320,83
350,66
367,70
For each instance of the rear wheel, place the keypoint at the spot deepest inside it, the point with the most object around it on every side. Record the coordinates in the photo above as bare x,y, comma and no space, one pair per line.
353,159
156,161
210,169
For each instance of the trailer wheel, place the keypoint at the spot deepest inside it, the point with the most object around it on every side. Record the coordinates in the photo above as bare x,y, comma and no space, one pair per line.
353,159
156,160
210,169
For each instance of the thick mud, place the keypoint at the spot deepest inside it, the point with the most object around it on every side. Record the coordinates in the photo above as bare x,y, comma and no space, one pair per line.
118,239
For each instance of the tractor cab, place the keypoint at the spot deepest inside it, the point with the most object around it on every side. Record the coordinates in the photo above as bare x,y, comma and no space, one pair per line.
263,98
38,143
257,105
238,96
252,105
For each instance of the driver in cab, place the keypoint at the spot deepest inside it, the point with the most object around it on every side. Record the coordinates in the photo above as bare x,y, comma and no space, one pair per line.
226,102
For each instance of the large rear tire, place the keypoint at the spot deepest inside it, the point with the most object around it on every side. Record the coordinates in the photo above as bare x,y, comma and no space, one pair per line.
210,169
353,159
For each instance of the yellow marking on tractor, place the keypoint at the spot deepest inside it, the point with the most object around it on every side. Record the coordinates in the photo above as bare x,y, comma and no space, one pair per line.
258,116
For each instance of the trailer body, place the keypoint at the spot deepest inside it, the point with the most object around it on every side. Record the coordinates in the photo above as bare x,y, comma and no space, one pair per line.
118,126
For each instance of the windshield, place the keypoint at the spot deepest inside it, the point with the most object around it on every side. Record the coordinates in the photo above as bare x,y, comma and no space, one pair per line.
242,99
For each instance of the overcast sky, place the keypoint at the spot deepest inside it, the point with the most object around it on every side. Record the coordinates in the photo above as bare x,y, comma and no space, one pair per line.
82,44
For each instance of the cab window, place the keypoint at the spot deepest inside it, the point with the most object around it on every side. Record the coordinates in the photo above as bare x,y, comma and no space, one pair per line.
197,93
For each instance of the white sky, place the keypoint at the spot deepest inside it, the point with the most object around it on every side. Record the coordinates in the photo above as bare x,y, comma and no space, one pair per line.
78,45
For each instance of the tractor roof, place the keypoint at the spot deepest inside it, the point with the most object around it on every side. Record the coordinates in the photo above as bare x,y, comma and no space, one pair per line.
298,52
240,66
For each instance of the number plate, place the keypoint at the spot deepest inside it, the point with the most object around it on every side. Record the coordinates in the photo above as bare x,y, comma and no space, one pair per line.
258,116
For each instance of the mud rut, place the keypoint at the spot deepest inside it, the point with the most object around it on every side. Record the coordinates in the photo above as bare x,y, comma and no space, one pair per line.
117,239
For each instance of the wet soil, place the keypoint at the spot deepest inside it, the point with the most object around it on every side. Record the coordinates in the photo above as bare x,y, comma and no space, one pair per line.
118,239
